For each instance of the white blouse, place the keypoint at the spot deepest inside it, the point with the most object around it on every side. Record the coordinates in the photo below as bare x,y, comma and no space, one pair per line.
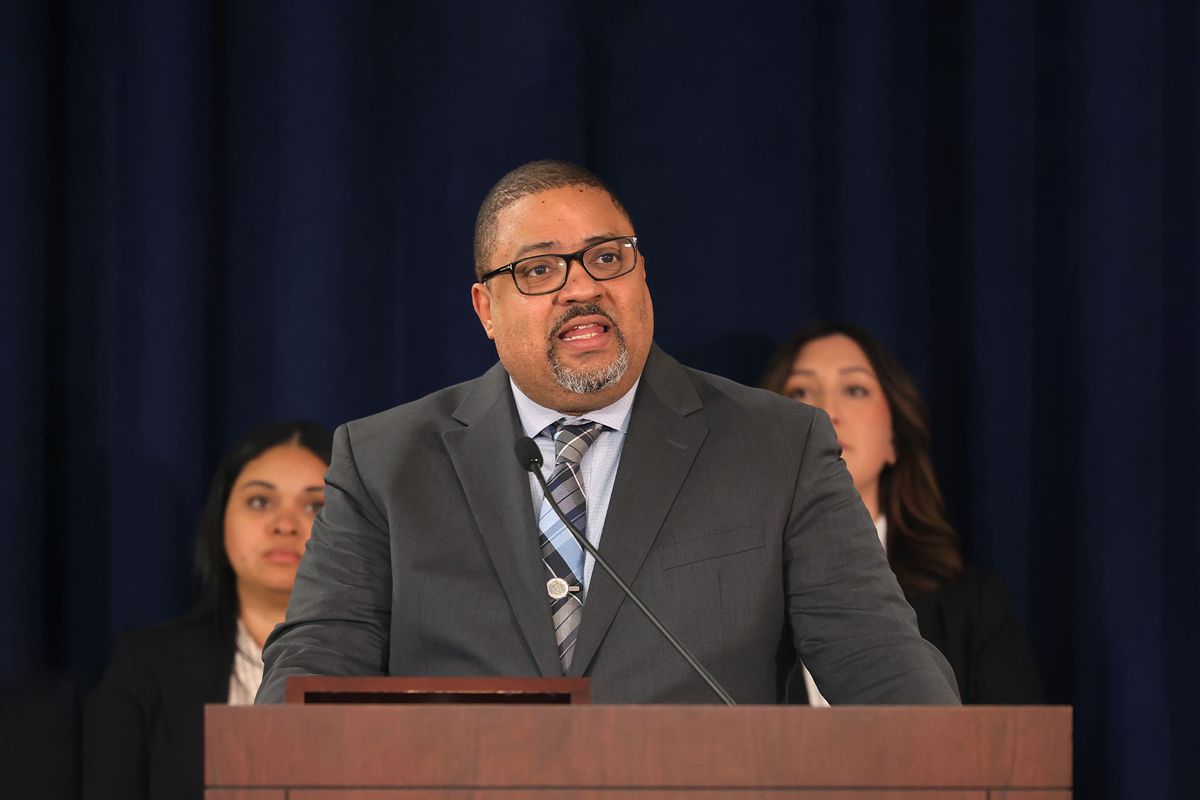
247,671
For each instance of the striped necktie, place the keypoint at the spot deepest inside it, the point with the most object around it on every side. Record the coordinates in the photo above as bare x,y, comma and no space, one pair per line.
561,554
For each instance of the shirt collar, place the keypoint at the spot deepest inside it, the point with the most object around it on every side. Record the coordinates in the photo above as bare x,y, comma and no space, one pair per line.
881,529
246,644
536,418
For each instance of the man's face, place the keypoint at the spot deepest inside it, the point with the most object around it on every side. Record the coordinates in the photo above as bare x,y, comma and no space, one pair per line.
582,347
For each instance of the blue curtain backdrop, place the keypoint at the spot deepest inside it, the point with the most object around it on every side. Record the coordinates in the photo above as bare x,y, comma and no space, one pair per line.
216,214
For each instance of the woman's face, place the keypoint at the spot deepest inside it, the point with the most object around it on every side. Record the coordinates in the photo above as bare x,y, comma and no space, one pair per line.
269,517
834,374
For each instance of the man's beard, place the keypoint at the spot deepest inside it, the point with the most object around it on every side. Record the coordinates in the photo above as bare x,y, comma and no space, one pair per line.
591,380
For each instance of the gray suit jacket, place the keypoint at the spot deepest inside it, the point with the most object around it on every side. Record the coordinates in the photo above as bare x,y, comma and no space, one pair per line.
732,516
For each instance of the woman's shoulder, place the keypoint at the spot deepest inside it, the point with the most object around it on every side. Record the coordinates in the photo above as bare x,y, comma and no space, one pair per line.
148,706
974,591
973,622
195,636
977,581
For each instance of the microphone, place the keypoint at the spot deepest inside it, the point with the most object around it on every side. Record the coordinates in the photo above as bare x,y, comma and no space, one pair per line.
531,460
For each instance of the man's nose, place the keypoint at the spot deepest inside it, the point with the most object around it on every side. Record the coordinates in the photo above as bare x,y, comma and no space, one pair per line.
580,286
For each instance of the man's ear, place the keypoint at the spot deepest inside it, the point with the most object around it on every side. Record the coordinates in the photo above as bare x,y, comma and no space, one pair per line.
481,300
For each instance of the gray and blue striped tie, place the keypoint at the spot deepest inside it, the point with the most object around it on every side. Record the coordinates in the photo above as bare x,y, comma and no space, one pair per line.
561,554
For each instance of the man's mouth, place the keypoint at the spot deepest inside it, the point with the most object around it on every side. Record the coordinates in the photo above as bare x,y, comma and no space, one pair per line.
576,345
586,330
588,322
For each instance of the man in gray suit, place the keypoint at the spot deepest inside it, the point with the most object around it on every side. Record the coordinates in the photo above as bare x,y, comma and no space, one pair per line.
726,508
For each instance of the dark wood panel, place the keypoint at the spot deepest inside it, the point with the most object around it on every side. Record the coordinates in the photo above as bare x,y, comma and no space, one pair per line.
549,691
245,794
1029,794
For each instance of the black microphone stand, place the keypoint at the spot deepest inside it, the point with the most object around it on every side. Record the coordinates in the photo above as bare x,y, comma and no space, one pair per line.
531,459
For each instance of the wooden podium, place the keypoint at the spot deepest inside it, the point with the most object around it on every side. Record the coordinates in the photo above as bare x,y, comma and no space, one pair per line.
395,751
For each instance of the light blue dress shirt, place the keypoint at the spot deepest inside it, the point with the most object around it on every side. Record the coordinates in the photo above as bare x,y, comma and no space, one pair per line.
598,469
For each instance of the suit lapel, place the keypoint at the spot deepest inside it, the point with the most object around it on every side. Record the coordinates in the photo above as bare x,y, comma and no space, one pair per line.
498,495
660,447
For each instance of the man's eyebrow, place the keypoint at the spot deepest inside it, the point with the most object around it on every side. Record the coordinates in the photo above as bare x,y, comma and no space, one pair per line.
546,247
601,237
533,246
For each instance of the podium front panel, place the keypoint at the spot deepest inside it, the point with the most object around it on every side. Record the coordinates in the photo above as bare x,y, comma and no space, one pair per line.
392,752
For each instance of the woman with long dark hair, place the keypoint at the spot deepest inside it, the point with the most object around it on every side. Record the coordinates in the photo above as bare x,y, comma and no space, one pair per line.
144,722
883,429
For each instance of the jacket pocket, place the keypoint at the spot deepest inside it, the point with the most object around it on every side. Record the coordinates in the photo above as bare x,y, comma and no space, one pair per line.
716,545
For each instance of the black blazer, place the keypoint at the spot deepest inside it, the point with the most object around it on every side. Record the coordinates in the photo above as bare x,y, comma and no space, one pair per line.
143,726
972,622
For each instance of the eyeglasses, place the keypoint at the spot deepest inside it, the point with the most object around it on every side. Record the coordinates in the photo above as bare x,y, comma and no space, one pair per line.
547,273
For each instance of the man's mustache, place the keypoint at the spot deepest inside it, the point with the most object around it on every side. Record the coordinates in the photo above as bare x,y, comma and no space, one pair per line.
586,310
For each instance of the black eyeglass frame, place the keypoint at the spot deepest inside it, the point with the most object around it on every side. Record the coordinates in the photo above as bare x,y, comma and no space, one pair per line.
569,258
